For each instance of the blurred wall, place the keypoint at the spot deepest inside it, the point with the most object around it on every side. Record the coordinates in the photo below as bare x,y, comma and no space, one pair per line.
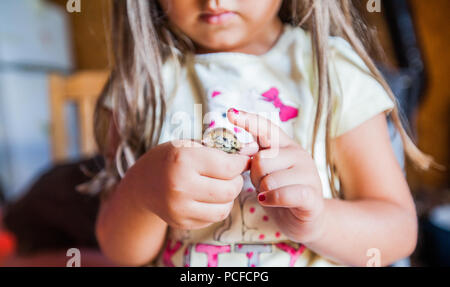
90,33
433,27
433,120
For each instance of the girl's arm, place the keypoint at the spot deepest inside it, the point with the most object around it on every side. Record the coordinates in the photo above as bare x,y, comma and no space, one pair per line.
378,211
128,233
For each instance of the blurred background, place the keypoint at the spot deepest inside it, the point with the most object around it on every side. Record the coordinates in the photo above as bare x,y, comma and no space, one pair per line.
53,65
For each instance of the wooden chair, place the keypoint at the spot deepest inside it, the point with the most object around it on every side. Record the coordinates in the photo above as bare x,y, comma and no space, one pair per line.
83,89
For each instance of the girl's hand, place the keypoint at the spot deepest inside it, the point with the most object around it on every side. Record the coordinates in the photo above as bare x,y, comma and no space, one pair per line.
285,177
187,185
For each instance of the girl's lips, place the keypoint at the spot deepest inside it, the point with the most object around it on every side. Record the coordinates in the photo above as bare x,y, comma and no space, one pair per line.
217,18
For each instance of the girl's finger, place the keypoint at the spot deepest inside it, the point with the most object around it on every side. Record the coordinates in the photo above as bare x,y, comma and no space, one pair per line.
270,160
267,133
199,224
279,179
211,190
208,212
249,149
193,224
215,163
290,196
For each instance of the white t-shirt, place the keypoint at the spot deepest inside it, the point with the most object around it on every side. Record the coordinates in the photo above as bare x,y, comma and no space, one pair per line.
280,85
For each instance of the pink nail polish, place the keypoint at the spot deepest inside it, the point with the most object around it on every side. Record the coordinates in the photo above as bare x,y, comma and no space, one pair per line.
261,197
236,112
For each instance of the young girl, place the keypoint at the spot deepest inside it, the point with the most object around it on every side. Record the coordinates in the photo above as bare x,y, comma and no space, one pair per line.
321,187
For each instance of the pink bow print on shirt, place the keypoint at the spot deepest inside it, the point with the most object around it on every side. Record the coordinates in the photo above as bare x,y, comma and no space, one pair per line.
286,112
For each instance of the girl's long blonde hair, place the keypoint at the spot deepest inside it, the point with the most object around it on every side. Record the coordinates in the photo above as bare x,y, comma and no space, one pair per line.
143,39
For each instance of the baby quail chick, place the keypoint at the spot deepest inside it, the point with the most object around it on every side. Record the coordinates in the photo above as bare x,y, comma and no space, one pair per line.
222,139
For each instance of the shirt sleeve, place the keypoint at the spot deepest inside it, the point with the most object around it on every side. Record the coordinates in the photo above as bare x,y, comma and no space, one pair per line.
360,96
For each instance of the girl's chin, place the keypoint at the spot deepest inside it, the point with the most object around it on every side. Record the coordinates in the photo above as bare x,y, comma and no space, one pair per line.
219,46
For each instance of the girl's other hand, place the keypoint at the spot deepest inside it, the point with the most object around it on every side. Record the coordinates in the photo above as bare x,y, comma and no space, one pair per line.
286,178
187,185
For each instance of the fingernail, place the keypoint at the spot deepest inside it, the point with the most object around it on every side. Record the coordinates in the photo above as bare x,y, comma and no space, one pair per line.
261,197
236,112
